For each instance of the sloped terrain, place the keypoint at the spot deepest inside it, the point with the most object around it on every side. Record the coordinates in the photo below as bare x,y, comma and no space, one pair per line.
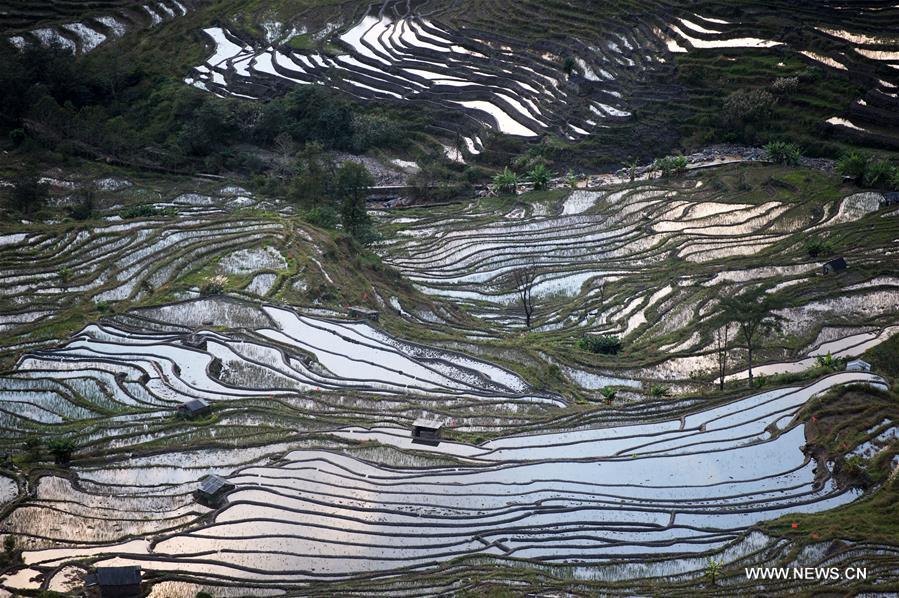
90,24
538,480
649,262
502,66
197,232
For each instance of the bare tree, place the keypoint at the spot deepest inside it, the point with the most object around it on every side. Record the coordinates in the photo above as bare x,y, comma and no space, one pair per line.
524,278
286,149
721,348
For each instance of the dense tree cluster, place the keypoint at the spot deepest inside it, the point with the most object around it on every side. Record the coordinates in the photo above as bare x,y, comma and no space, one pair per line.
101,106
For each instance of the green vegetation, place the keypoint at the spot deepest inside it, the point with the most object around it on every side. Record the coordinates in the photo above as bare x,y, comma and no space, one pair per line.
101,106
608,393
214,286
506,182
658,391
713,570
604,344
353,182
836,422
867,171
540,176
753,312
818,247
755,97
61,448
146,211
27,195
783,153
671,165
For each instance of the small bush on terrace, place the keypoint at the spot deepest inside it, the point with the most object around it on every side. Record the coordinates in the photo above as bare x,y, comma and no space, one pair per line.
864,170
746,105
506,182
878,174
605,344
608,393
783,153
540,176
146,211
214,286
61,449
785,85
671,165
322,216
818,247
853,165
658,391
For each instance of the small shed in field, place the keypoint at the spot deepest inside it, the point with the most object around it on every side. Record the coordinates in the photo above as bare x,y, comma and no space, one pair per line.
113,582
194,408
858,365
426,431
363,313
835,265
212,490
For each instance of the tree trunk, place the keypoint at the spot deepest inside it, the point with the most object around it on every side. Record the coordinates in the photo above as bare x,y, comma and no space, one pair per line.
749,359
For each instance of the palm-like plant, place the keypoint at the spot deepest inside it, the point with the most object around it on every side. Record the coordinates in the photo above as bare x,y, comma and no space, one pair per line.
713,570
608,393
540,175
506,181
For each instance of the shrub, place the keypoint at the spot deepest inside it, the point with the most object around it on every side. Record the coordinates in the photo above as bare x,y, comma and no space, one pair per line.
323,216
146,211
540,175
818,247
61,449
785,85
28,194
783,153
214,286
829,362
375,131
671,165
506,181
878,174
84,206
658,391
853,164
568,65
746,105
604,344
608,393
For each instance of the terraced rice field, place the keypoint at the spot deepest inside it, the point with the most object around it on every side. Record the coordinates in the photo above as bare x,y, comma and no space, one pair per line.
615,61
648,262
62,22
311,412
304,510
120,259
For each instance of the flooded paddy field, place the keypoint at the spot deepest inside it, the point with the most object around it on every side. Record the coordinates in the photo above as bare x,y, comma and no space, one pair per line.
648,262
537,476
